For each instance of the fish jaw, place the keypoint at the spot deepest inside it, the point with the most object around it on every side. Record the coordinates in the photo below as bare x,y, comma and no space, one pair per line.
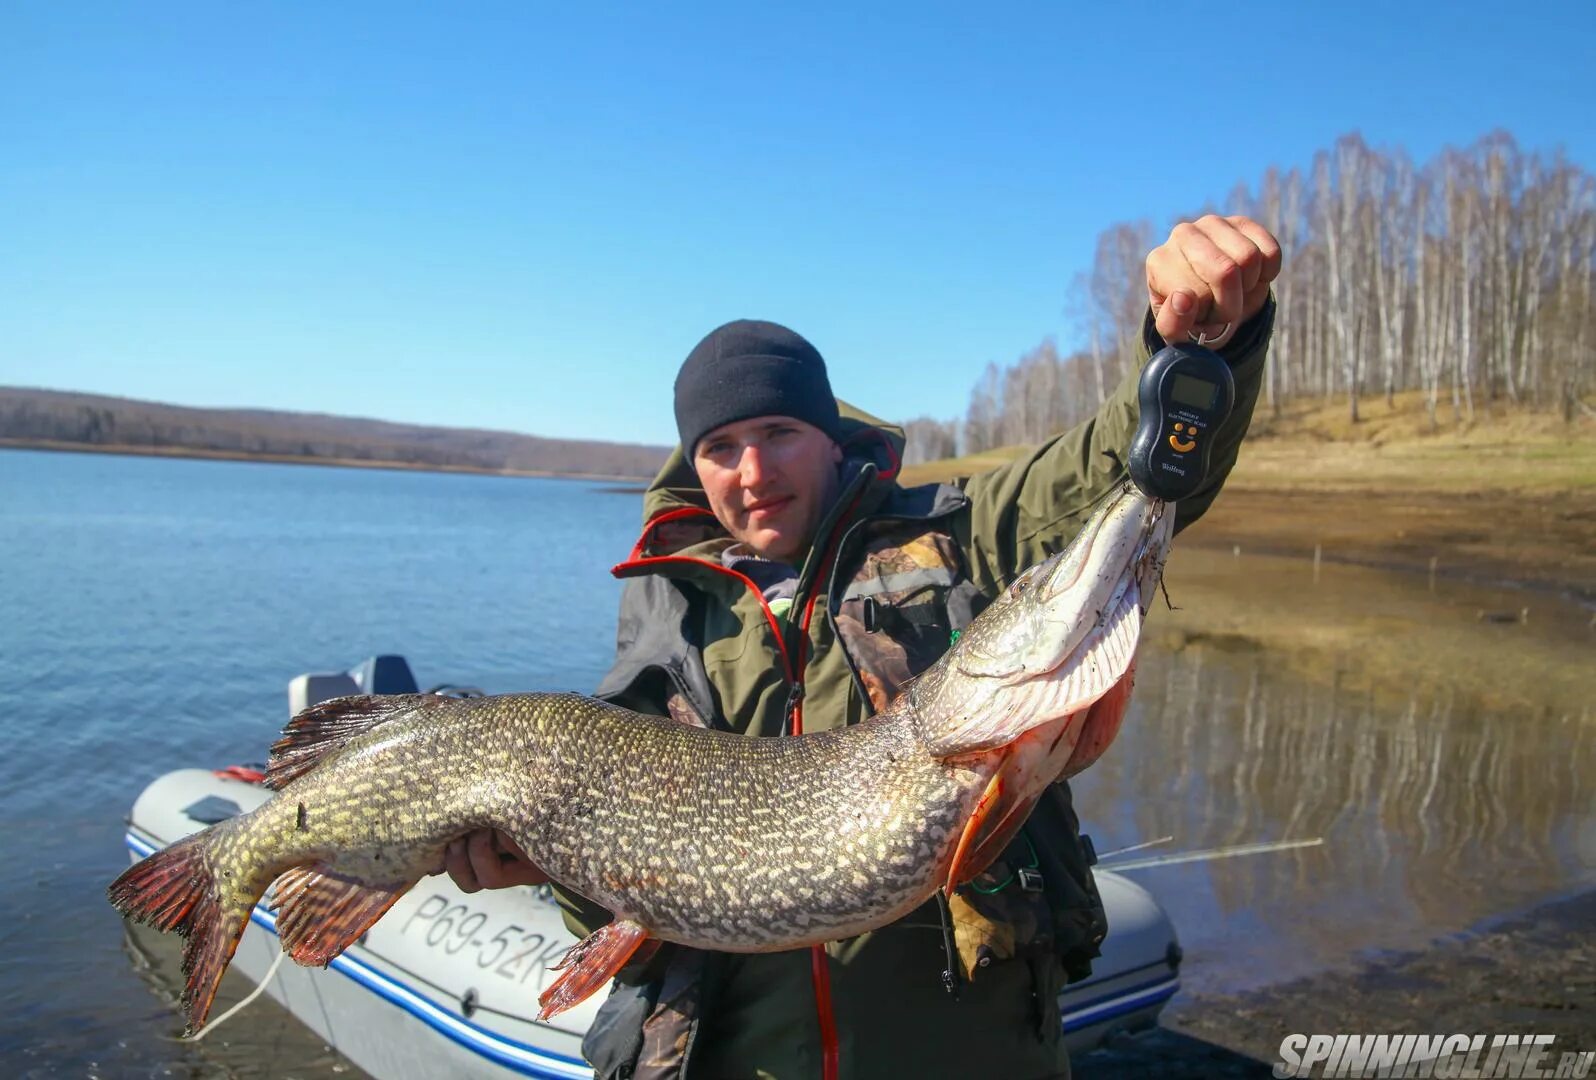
1127,549
1064,635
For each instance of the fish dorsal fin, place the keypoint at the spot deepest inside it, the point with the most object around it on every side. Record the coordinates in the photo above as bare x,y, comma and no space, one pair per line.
331,725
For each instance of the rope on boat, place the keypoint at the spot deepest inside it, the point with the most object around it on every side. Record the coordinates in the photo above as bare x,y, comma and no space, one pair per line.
251,996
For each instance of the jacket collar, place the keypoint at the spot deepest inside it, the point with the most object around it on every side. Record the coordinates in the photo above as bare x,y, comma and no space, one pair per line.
676,513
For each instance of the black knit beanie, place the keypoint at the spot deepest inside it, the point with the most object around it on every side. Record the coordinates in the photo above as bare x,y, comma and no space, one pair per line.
749,368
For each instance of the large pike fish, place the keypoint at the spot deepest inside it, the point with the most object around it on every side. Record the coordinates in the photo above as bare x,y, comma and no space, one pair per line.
700,837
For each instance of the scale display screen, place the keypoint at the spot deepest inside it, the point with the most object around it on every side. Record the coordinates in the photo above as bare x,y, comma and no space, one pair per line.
1184,395
1190,390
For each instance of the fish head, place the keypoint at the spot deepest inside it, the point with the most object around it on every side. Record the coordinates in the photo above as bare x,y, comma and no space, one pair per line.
1041,619
1061,635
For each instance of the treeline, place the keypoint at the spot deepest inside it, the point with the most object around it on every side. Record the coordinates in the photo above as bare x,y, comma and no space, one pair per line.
1468,277
51,417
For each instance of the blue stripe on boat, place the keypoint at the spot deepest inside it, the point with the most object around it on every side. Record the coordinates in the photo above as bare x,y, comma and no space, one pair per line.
531,1061
1121,1003
518,1056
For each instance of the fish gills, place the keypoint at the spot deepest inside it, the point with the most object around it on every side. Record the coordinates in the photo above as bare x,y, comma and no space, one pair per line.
1102,723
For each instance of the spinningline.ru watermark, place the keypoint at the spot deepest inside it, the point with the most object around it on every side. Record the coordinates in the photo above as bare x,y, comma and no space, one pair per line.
1444,1057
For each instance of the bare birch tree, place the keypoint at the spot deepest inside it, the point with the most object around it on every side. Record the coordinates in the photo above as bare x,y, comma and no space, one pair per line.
1474,271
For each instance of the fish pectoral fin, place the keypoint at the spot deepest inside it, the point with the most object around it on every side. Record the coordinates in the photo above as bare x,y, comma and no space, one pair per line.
331,725
320,913
997,818
592,962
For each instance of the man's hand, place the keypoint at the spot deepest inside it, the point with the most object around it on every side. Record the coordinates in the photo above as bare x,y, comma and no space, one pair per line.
1210,272
488,859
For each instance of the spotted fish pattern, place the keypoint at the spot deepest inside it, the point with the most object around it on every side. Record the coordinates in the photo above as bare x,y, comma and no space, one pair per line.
687,834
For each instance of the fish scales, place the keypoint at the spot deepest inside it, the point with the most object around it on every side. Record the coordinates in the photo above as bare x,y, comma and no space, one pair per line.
696,836
752,840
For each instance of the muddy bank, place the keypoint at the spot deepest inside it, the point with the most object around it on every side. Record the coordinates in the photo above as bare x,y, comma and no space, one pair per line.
1535,973
1503,631
1395,633
1545,542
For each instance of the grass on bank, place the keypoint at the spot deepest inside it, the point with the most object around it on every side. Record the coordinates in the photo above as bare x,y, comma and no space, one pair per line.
1313,445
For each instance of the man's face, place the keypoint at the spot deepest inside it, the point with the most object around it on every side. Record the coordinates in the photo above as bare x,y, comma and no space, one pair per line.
769,481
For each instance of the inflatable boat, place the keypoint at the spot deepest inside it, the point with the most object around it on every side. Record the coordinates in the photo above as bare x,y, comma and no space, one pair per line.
446,984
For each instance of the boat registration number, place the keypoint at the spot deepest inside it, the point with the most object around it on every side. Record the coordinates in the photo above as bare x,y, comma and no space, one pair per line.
509,951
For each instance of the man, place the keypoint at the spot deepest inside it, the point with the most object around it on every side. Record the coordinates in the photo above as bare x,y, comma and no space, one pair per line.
784,582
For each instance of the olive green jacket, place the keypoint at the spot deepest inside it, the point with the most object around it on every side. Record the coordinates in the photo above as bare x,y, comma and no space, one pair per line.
698,642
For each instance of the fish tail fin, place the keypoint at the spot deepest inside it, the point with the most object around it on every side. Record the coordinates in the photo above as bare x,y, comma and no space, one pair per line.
176,889
592,962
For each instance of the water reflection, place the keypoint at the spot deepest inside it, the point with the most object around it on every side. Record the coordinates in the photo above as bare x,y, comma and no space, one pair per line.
142,640
1435,815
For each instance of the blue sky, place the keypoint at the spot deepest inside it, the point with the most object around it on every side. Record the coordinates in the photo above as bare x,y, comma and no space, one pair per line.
522,216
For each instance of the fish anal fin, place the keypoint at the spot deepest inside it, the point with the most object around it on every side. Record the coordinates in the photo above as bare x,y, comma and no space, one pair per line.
1102,723
331,725
591,963
320,913
175,889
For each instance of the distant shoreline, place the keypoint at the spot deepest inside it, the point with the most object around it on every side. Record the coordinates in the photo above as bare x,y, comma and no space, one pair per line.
292,459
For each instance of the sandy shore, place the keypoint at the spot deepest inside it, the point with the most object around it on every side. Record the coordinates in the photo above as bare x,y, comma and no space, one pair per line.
1535,972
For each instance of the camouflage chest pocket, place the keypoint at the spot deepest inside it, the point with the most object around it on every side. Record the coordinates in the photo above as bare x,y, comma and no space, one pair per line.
894,616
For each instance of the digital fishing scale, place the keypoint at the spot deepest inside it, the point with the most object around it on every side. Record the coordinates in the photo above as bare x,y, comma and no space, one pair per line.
1185,394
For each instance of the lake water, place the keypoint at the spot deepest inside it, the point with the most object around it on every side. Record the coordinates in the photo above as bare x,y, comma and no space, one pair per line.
152,612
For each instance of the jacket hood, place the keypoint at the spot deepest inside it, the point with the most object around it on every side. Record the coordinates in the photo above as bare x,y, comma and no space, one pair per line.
676,490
